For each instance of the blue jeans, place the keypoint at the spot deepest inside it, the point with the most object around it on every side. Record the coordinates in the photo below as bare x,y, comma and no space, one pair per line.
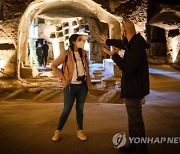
72,92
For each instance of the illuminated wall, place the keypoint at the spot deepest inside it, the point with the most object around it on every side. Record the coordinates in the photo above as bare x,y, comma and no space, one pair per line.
8,46
173,44
14,51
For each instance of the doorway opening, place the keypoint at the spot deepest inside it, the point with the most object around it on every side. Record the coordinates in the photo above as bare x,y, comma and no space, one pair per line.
54,21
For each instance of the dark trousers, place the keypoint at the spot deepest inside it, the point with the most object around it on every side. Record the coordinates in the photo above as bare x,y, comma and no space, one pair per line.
44,60
73,92
39,60
135,122
135,119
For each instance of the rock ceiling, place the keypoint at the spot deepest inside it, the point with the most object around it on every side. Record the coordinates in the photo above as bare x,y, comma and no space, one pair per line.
166,19
66,10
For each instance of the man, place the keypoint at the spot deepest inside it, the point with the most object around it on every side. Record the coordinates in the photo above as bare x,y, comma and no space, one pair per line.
134,81
39,54
45,49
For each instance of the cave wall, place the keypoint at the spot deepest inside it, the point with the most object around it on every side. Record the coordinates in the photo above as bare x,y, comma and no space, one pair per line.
10,14
173,50
135,11
96,29
8,47
162,19
139,11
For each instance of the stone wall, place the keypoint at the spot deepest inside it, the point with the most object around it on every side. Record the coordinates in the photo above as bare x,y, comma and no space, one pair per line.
11,12
96,28
173,53
8,63
135,11
8,47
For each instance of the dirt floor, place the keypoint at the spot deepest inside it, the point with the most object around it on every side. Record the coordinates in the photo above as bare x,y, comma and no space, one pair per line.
29,114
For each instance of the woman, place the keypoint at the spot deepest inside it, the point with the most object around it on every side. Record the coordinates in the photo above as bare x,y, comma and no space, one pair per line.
75,79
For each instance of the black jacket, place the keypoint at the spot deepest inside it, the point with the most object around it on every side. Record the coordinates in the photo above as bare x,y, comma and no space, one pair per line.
45,49
134,66
39,51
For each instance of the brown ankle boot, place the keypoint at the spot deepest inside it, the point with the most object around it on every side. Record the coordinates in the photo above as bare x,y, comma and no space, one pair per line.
81,135
57,135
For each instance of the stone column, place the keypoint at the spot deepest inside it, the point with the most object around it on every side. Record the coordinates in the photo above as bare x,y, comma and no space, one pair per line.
115,30
95,55
114,33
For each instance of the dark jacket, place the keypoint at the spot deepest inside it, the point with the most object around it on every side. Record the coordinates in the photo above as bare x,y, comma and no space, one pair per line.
45,49
39,51
134,66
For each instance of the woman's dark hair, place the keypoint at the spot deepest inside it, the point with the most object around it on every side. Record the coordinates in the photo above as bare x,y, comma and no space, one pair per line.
72,39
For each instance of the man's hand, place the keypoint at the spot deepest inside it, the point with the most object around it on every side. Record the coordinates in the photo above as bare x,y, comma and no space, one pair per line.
110,53
103,38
